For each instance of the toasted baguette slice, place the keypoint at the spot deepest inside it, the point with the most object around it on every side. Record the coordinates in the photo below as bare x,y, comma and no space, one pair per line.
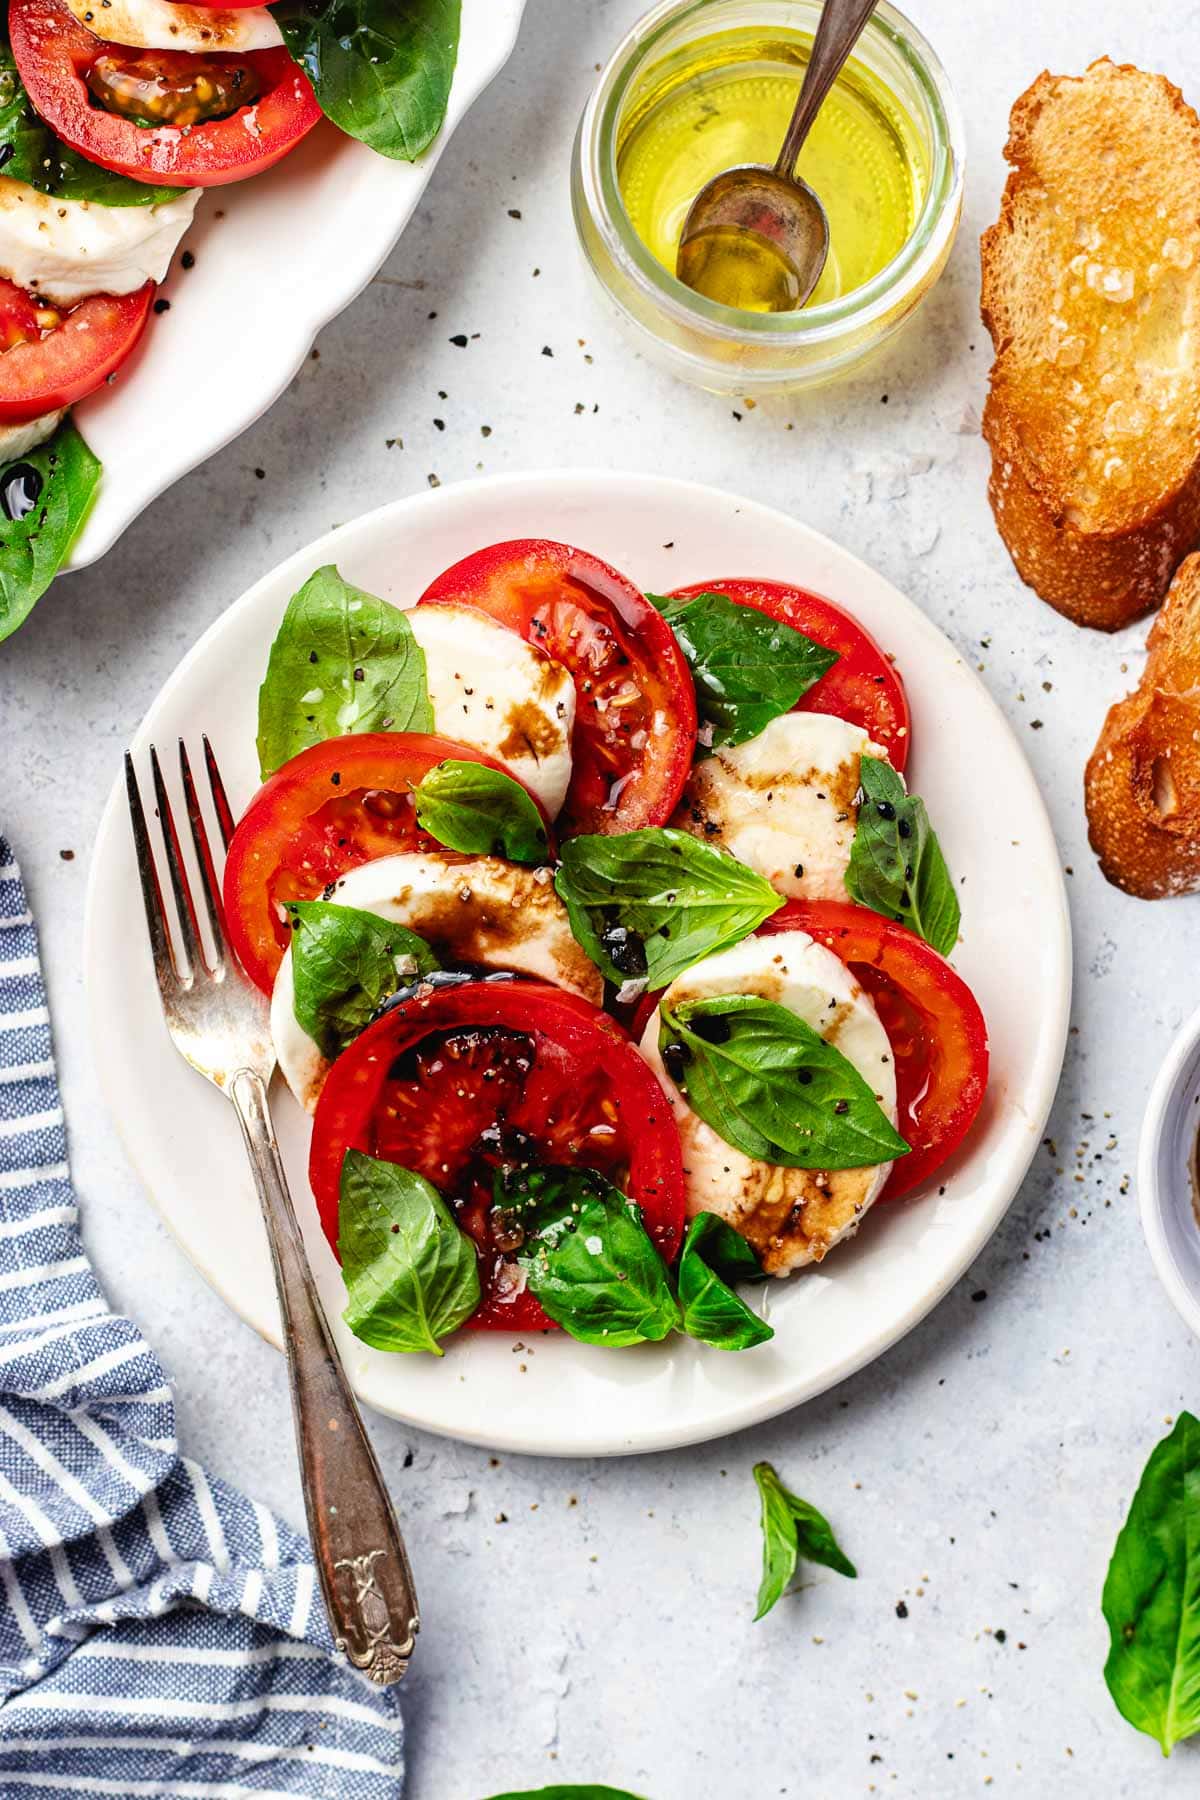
1142,786
1091,293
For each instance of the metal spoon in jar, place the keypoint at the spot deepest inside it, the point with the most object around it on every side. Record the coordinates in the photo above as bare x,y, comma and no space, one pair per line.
758,238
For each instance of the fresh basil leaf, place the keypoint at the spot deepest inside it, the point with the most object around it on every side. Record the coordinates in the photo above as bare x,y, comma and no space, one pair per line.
587,1256
647,904
480,811
345,964
791,1529
411,1275
343,662
570,1790
896,863
712,1312
1152,1594
381,72
772,1087
747,667
60,477
29,151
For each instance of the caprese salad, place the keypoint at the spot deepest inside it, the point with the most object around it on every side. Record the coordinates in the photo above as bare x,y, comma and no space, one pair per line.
114,114
605,944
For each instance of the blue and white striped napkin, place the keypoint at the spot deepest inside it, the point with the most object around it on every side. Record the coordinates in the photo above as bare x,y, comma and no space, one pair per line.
160,1635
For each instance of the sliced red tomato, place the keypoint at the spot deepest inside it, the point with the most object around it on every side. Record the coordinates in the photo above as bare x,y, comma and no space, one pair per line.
50,358
467,1077
862,685
635,720
337,805
932,1019
57,58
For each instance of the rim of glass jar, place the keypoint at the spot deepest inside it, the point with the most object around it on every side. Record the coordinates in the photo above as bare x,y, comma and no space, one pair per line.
817,324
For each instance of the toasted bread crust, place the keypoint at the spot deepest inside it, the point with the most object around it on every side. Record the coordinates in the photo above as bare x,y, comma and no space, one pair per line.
1102,561
1142,784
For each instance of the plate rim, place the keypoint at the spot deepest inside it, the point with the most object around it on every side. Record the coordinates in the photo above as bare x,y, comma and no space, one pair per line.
739,1413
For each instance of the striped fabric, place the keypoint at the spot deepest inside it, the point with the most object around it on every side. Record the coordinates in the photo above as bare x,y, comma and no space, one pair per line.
160,1635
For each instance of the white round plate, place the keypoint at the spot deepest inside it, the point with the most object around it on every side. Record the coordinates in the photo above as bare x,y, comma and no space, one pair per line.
276,259
554,1396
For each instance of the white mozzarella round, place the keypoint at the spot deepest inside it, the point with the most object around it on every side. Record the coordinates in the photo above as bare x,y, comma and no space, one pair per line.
64,250
477,911
784,803
163,25
19,440
492,690
791,1216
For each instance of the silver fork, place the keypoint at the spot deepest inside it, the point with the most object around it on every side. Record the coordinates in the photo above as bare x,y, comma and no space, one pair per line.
221,1024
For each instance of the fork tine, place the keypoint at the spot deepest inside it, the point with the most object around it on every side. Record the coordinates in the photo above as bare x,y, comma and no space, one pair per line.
189,930
209,885
220,800
156,918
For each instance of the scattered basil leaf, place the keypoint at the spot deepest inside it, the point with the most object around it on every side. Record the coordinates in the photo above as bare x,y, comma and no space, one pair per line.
772,1087
411,1275
29,151
747,667
587,1256
896,863
343,661
345,964
34,548
1152,1594
587,1790
380,71
791,1529
480,811
712,1312
647,904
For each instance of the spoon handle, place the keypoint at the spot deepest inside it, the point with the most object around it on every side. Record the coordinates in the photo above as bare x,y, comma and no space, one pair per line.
838,31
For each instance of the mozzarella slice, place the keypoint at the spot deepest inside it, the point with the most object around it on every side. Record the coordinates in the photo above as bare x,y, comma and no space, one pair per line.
65,250
163,25
491,689
791,1216
19,440
480,912
784,803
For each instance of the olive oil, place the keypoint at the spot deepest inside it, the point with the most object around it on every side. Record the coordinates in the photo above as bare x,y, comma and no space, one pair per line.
729,103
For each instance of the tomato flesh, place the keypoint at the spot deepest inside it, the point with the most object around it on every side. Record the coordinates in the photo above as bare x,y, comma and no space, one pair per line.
172,87
635,719
465,1078
56,57
862,685
332,807
932,1019
51,358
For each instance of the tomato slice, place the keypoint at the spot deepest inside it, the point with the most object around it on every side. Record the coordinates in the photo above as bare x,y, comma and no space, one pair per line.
55,55
937,1032
635,720
45,367
862,685
462,1077
336,805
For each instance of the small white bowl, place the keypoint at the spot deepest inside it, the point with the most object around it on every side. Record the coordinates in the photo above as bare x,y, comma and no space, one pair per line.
1166,1181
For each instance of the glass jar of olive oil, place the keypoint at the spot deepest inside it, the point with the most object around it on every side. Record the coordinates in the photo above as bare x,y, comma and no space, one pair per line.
703,85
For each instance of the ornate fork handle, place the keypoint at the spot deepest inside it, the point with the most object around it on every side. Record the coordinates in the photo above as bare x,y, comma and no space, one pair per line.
360,1555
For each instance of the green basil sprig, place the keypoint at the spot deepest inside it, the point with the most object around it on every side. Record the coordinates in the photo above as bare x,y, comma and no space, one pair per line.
747,667
345,964
382,72
571,1790
1152,1594
647,904
480,811
896,863
791,1529
411,1275
343,662
771,1086
34,548
713,1255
